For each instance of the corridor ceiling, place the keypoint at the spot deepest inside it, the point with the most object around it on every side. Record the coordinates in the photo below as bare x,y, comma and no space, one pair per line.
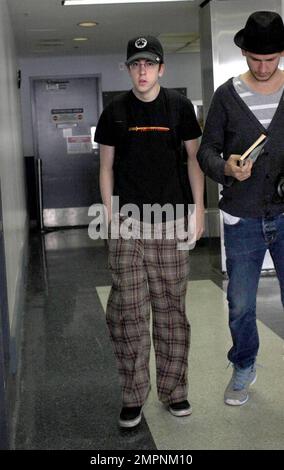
46,28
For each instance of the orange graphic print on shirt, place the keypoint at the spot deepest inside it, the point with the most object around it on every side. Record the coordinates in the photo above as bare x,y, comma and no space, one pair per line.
149,129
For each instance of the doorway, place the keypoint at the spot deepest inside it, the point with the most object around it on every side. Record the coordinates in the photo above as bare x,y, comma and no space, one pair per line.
65,114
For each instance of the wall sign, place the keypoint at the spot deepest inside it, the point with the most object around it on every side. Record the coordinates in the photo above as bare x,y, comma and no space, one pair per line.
67,115
56,85
79,144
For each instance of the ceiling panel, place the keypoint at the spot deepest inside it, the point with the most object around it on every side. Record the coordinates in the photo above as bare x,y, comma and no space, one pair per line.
45,27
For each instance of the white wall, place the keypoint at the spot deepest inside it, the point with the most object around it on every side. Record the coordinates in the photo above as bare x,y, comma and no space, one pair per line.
11,160
182,70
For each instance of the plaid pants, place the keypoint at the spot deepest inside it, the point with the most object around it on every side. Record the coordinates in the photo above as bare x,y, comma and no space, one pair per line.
148,272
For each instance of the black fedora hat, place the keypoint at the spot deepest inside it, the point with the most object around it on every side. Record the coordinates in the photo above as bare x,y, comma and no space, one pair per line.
262,34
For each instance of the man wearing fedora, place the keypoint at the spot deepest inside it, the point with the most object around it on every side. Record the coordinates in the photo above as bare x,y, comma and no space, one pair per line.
252,203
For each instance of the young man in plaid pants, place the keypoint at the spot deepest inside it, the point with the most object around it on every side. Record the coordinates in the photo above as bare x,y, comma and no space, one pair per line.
139,164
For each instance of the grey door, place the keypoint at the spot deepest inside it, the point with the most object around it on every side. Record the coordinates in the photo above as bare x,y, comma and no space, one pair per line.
4,343
65,114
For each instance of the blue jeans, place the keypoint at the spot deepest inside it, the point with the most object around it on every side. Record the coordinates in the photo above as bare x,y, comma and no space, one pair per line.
246,243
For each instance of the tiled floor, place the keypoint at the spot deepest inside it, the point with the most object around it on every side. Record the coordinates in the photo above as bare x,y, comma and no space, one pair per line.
69,396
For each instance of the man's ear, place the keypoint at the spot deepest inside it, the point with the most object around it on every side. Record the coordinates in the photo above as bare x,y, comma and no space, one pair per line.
161,70
244,52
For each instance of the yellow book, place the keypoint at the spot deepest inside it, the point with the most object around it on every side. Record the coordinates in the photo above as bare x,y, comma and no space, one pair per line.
254,150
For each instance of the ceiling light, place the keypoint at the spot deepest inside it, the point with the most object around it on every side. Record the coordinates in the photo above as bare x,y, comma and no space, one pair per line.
103,2
88,24
80,39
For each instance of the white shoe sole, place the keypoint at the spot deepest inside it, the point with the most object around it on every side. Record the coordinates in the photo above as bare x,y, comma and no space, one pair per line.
130,423
180,413
232,402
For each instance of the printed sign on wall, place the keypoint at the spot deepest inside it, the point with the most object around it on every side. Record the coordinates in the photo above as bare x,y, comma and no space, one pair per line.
79,144
67,115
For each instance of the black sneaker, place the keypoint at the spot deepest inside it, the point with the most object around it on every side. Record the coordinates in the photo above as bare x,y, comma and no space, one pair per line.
130,416
182,408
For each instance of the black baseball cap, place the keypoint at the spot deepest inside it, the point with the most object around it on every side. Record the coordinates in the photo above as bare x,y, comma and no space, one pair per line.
145,47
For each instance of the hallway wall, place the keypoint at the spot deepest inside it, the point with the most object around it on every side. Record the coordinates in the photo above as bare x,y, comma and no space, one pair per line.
182,70
11,163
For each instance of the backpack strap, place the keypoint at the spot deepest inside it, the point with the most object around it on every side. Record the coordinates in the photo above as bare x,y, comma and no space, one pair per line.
173,100
173,104
120,115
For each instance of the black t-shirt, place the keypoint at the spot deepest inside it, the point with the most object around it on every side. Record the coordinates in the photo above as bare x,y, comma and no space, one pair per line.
146,157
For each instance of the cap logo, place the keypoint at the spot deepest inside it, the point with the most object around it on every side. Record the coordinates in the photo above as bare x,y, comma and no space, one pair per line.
140,43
